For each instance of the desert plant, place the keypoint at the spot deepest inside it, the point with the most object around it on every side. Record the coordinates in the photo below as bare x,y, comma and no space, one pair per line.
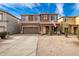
66,32
3,35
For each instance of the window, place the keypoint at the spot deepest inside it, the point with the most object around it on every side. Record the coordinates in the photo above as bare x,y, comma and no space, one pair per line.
23,18
65,19
26,18
1,15
36,18
53,18
45,17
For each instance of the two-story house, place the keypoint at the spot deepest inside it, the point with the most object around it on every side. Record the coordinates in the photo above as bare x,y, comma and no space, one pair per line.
71,22
8,23
37,23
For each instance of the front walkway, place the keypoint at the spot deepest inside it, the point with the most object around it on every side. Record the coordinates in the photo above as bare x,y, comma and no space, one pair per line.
19,45
58,46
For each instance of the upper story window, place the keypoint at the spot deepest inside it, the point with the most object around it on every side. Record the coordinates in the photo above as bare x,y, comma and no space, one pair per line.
36,18
1,16
44,16
65,19
26,18
53,18
23,18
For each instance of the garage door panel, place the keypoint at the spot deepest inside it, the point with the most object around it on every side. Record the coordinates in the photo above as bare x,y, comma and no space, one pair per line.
30,30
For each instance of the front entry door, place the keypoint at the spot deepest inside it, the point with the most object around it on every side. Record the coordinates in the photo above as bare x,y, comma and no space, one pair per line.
75,30
47,29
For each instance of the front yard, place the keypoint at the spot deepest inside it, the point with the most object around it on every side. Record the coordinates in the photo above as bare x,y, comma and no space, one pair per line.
32,45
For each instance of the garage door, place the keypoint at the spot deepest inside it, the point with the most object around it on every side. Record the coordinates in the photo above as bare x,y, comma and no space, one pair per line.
30,30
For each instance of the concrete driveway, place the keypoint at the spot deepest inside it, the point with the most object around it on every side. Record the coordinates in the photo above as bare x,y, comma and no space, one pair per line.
33,44
19,45
58,46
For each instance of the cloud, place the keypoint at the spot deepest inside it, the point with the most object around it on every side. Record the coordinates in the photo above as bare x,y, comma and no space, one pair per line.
9,6
76,6
10,9
59,9
76,9
30,5
6,4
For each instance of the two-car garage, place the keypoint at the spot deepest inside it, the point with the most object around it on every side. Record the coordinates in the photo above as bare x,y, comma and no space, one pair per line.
30,30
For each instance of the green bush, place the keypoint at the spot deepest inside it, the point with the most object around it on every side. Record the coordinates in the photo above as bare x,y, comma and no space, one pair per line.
51,31
3,35
66,32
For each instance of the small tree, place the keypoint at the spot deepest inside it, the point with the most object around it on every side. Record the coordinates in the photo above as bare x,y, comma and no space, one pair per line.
66,32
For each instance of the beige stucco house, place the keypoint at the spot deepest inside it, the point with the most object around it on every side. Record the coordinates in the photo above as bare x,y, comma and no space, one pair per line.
71,22
8,23
37,23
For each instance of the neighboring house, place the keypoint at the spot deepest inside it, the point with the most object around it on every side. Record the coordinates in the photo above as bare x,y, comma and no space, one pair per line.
37,23
8,22
71,22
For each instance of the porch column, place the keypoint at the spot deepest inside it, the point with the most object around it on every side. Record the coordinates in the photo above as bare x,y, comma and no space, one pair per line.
72,30
41,30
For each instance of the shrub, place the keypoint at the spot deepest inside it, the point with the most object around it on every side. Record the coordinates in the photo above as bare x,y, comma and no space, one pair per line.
66,32
3,35
51,31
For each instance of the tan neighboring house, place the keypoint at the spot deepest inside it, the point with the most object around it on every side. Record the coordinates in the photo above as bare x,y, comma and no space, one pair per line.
37,23
71,22
8,22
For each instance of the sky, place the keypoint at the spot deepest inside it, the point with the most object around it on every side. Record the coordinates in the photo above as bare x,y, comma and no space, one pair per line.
62,9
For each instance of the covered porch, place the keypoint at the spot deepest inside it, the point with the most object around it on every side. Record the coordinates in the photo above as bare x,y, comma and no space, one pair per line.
73,29
47,28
